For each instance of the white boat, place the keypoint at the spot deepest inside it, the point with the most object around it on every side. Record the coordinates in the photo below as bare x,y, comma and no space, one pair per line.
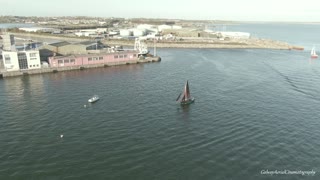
313,53
93,99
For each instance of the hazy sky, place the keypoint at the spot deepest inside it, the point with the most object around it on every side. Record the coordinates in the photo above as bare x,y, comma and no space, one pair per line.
248,10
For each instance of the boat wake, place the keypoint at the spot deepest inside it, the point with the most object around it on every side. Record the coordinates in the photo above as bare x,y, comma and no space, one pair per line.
291,83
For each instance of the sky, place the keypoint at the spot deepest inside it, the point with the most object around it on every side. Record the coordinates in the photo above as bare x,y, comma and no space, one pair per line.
234,10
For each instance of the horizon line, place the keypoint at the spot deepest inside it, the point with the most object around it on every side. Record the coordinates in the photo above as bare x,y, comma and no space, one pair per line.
174,19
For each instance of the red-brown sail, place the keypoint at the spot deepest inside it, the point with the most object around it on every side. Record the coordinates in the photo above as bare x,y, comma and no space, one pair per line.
185,97
187,92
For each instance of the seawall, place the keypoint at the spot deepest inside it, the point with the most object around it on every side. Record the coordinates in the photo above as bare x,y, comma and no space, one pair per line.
5,74
214,44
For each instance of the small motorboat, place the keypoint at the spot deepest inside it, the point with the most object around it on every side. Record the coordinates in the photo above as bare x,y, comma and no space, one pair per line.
94,98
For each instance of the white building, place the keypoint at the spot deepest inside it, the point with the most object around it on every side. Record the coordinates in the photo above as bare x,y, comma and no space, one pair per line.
139,32
164,26
176,27
102,22
40,29
21,60
145,26
126,32
8,42
91,32
10,61
236,35
86,34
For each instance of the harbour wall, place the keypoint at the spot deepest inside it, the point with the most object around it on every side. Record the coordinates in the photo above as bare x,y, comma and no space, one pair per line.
5,74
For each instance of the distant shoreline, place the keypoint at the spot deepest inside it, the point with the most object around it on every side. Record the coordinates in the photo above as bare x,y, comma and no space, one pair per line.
215,44
252,43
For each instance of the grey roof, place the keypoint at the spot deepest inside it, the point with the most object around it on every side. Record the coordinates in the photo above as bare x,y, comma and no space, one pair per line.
88,43
59,44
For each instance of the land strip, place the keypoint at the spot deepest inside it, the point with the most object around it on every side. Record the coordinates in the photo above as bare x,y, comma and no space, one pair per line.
255,43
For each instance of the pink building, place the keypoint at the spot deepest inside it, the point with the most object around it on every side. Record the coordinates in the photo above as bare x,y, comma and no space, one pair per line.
87,59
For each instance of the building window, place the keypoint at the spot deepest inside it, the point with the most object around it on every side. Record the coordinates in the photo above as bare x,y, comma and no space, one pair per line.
22,60
37,65
30,65
120,56
7,59
33,54
116,56
72,61
66,61
125,56
100,58
134,55
33,58
60,62
95,58
89,59
34,65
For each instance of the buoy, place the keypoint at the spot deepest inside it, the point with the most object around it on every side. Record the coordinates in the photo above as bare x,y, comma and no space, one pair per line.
84,105
61,136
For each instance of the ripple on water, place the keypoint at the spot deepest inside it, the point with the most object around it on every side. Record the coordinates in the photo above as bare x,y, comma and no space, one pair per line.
252,112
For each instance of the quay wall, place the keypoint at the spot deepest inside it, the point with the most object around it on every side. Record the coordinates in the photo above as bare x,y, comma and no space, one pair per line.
5,74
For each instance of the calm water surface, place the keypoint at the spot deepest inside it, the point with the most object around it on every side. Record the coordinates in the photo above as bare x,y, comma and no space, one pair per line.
255,110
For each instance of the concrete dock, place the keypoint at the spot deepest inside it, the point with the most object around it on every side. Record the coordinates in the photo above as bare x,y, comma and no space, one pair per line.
5,74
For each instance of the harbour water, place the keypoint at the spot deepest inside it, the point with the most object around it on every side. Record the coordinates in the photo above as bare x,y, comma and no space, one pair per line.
255,110
15,25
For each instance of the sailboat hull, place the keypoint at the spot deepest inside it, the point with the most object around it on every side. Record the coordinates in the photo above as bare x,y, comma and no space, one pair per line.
189,101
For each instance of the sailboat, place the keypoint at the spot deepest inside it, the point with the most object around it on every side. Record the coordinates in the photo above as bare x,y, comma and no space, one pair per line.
313,53
185,98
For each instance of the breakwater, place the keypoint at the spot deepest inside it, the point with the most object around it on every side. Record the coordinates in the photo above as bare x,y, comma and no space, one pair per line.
251,43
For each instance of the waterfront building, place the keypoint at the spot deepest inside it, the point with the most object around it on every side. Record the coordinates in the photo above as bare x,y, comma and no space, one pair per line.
14,59
21,60
92,59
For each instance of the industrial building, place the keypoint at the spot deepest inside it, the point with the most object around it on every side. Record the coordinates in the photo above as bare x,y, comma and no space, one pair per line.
91,59
103,56
66,48
91,32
